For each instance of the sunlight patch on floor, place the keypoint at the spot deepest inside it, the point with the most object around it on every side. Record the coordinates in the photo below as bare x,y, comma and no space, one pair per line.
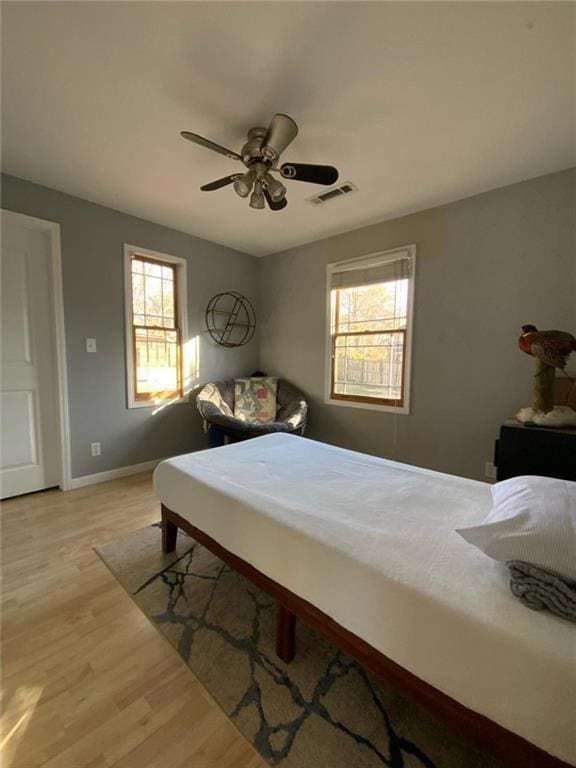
25,700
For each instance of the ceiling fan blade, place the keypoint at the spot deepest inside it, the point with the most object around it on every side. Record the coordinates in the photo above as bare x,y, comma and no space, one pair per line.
219,183
316,174
281,132
209,145
273,205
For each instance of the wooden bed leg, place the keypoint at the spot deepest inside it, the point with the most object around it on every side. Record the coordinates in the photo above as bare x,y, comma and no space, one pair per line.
285,633
169,533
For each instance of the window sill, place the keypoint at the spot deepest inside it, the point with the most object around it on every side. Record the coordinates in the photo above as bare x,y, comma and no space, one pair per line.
404,409
156,403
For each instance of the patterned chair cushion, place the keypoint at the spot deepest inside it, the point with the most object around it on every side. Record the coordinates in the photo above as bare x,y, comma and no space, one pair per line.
255,399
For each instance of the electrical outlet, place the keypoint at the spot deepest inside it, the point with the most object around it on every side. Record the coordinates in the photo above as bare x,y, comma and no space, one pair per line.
90,345
95,449
490,470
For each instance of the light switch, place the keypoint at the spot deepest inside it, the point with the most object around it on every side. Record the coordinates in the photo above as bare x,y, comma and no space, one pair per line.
90,345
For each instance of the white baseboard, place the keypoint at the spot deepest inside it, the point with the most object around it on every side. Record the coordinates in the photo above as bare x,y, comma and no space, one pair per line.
112,474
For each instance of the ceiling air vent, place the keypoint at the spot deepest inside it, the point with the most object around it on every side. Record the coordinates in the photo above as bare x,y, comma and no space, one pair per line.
339,191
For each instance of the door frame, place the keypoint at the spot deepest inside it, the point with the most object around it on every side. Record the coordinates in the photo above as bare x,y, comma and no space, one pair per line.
58,335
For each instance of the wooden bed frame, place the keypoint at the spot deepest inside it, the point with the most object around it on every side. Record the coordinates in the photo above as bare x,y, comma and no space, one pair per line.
514,750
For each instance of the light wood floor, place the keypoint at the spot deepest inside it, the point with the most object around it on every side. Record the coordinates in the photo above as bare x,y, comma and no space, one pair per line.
87,680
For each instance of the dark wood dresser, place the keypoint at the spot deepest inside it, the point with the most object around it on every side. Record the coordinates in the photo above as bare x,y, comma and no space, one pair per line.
522,450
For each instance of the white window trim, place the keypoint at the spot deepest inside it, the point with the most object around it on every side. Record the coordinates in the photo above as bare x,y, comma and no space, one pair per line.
180,264
409,252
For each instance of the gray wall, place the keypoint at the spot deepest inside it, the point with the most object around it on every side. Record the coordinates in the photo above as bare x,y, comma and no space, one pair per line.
93,240
485,266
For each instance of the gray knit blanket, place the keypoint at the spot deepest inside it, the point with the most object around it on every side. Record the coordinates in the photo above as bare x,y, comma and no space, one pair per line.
540,590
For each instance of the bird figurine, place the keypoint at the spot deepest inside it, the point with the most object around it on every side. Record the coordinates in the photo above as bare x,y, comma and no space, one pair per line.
551,350
550,347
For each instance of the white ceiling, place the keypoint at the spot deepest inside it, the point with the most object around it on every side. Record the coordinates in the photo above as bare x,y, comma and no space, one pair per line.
416,103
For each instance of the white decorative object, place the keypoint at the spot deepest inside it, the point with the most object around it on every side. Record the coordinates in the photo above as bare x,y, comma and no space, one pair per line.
559,416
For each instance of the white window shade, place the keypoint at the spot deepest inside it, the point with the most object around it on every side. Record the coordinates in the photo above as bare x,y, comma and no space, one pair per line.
383,272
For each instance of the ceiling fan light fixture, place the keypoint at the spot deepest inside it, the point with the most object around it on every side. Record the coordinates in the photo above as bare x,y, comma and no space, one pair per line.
276,189
259,155
243,184
281,132
257,197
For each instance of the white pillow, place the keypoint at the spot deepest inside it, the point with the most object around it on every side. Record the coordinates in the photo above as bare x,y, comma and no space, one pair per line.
532,519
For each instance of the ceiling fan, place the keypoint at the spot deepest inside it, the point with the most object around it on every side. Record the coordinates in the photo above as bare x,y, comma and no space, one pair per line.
260,154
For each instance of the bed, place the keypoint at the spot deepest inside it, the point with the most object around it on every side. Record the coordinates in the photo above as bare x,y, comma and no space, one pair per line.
364,549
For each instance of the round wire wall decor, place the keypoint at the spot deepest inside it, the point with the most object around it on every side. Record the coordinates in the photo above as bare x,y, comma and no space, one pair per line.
230,319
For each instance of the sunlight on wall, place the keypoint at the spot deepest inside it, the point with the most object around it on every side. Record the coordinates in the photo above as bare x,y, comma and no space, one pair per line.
25,700
190,372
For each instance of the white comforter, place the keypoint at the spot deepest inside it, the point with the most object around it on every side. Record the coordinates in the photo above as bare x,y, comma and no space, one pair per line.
372,543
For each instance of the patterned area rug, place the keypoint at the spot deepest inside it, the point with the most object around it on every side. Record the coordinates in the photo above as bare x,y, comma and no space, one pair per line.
322,710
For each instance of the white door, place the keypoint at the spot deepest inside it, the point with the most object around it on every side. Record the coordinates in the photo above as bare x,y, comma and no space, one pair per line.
30,457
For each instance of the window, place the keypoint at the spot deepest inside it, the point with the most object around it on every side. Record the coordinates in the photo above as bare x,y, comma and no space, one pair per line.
155,293
370,319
